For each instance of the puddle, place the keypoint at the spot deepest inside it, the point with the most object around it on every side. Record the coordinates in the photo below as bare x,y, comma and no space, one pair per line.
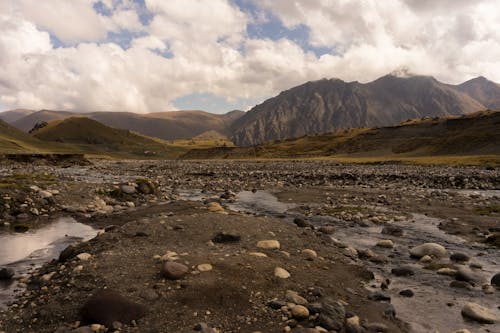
25,252
428,310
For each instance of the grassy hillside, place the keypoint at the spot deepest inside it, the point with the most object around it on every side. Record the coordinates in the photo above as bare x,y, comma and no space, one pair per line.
477,135
13,140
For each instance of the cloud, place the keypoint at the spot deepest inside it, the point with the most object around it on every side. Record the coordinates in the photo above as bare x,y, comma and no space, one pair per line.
203,48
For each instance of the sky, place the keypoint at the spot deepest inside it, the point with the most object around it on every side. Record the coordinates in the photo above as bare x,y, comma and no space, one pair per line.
220,55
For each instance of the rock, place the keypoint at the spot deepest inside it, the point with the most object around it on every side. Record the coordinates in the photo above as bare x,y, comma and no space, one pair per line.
378,296
463,330
45,194
467,275
478,313
447,271
430,249
350,252
281,273
332,315
149,295
461,285
407,293
495,280
327,229
393,230
68,253
299,312
310,254
127,189
268,244
144,186
204,328
386,243
294,297
204,267
425,259
223,237
275,304
107,306
257,254
352,325
83,329
365,254
301,222
459,257
6,273
376,328
173,270
304,330
403,271
215,207
84,256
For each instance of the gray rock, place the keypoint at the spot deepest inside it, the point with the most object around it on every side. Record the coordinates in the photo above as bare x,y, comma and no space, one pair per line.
495,280
378,296
479,313
467,275
127,189
402,271
332,315
459,257
294,297
174,270
375,328
6,273
407,293
429,249
107,306
149,295
393,230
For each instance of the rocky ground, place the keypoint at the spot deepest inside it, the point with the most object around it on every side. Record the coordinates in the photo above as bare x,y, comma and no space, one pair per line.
179,265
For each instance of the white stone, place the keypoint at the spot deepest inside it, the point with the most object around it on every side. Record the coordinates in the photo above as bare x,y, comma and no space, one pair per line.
269,244
281,273
257,254
84,256
310,254
300,311
204,267
429,249
479,313
386,243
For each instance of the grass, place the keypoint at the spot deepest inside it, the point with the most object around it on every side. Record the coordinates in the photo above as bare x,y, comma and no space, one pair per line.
488,210
19,180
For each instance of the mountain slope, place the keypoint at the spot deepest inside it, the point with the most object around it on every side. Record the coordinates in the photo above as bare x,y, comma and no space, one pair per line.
93,137
13,140
327,105
13,115
474,134
483,90
164,125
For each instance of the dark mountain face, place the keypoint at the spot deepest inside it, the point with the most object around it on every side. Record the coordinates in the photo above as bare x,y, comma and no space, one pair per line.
328,105
483,90
13,115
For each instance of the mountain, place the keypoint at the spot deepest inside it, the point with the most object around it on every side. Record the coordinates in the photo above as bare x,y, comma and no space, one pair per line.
164,125
90,136
467,135
13,140
483,90
327,105
13,115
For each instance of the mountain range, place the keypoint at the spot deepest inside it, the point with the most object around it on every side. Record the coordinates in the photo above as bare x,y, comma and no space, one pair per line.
314,107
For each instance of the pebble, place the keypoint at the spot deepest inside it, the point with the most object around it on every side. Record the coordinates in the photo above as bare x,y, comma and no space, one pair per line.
407,293
447,271
269,244
426,259
495,280
127,189
257,254
327,229
281,273
215,207
310,254
430,249
479,313
204,267
402,271
352,325
459,257
294,297
300,311
301,223
84,256
386,243
173,270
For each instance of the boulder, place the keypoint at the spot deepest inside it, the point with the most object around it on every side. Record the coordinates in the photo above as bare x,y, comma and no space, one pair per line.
479,313
173,270
428,249
269,244
6,273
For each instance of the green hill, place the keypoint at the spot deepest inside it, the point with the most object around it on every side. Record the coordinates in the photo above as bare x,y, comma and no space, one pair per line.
13,140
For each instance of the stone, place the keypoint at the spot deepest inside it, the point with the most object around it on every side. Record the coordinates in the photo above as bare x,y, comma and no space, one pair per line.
479,313
459,257
332,315
385,243
173,270
223,237
426,259
393,230
447,271
430,249
275,304
310,254
327,229
301,222
294,297
257,254
281,273
407,293
461,285
300,312
6,273
402,271
83,329
378,296
376,328
68,253
106,307
127,189
95,327
149,295
215,207
495,280
463,330
467,275
269,244
204,267
84,256
352,325
45,194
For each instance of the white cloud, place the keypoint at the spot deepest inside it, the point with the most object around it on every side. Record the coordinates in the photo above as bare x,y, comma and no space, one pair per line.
210,50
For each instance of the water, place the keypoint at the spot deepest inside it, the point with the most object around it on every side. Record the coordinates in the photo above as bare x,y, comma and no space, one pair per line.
28,251
428,310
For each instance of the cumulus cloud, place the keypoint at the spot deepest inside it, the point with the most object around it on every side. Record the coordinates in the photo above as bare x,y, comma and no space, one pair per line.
60,54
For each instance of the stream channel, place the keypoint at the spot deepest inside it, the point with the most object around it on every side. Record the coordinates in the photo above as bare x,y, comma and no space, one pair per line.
435,306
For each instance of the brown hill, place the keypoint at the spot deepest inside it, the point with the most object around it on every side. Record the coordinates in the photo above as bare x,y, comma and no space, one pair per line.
483,90
13,140
164,125
328,105
13,115
474,134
